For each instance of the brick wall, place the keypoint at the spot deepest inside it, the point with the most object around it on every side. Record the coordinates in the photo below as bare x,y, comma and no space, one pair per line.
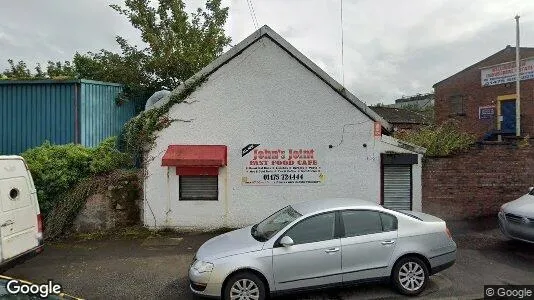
467,82
478,182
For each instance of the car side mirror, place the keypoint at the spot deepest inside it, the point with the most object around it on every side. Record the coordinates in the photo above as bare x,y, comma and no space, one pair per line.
530,189
286,241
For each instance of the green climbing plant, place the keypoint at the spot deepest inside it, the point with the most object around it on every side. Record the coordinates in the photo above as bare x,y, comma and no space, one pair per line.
139,133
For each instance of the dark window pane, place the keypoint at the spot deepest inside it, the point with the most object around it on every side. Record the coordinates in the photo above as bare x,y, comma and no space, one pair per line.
389,222
360,222
313,229
457,104
199,188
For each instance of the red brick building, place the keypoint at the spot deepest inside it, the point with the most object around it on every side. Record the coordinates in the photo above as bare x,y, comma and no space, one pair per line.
482,96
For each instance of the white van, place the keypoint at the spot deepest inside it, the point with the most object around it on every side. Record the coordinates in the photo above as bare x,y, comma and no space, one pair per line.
21,224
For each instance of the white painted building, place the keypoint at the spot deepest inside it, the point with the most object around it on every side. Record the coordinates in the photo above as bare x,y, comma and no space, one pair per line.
267,129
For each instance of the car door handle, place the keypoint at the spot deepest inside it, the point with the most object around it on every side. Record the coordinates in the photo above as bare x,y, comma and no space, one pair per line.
331,250
7,223
388,242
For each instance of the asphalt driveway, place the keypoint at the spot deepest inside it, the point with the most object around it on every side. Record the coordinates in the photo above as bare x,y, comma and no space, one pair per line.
156,268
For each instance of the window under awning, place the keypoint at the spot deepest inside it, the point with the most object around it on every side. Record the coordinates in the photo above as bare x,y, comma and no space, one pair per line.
195,159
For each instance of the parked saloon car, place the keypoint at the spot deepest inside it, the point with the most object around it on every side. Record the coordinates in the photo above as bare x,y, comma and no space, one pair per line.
516,218
321,244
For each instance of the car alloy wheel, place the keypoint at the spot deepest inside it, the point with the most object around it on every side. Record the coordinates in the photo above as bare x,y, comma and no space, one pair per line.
244,286
410,275
244,289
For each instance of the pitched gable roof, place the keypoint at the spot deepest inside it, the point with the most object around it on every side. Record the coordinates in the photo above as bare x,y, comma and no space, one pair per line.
396,115
525,52
266,31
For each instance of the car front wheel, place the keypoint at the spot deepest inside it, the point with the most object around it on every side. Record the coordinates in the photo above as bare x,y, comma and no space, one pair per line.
244,286
410,276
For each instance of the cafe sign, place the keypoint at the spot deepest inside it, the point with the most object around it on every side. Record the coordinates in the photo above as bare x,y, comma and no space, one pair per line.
281,166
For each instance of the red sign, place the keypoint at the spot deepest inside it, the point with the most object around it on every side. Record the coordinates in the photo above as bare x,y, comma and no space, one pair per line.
378,130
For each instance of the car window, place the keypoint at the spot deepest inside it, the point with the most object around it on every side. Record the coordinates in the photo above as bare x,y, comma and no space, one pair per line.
361,222
274,223
313,229
389,222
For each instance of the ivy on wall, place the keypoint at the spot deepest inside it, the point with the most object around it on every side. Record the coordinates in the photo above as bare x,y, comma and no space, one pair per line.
139,133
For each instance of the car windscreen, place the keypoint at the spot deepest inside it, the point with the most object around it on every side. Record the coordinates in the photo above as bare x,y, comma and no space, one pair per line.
264,230
531,192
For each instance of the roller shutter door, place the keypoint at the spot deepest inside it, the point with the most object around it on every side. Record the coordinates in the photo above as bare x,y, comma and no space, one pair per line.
398,187
199,188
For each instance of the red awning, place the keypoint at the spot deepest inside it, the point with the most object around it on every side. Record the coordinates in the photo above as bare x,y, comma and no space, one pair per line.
188,156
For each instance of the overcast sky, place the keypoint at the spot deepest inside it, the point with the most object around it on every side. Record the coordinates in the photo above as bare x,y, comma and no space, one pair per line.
392,48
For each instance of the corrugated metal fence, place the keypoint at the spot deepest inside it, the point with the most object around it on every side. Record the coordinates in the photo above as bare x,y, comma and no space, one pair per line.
74,111
100,116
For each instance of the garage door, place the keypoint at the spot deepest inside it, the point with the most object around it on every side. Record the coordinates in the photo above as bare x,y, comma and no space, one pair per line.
398,187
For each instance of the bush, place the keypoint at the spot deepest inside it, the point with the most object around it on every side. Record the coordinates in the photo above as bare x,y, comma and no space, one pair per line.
57,168
106,158
442,140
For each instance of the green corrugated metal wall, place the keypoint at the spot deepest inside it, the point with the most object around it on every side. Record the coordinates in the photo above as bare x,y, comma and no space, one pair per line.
31,113
100,116
75,111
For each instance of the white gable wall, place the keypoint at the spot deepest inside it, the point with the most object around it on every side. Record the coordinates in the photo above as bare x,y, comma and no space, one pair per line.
264,96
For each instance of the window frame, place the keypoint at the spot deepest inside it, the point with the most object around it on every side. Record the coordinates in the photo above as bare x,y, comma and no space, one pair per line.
180,198
337,235
461,98
342,223
394,218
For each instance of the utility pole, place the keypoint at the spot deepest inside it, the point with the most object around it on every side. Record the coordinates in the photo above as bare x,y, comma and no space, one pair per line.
517,81
342,46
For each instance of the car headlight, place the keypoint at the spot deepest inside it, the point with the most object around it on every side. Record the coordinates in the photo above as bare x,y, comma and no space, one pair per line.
202,266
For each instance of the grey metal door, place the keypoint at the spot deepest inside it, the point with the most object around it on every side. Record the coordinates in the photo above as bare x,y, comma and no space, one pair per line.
397,187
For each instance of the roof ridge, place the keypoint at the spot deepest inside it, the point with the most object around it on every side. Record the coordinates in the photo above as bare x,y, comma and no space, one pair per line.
291,50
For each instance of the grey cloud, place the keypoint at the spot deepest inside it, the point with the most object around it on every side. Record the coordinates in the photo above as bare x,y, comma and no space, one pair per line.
392,48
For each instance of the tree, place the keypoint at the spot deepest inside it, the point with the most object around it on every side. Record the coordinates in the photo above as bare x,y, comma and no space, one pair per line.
178,45
54,70
17,71
60,69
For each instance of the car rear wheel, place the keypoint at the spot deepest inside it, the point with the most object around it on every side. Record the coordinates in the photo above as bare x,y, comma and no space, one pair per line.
410,276
244,286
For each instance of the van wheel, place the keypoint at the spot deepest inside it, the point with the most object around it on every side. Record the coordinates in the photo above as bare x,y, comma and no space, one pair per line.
246,286
410,276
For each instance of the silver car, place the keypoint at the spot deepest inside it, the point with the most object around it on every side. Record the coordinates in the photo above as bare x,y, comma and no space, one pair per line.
516,218
325,243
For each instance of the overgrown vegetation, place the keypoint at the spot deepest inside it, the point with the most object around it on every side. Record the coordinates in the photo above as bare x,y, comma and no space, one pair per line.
139,133
58,168
67,207
442,140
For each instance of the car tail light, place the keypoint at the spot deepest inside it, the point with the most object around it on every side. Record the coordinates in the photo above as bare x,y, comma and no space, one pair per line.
448,232
40,223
